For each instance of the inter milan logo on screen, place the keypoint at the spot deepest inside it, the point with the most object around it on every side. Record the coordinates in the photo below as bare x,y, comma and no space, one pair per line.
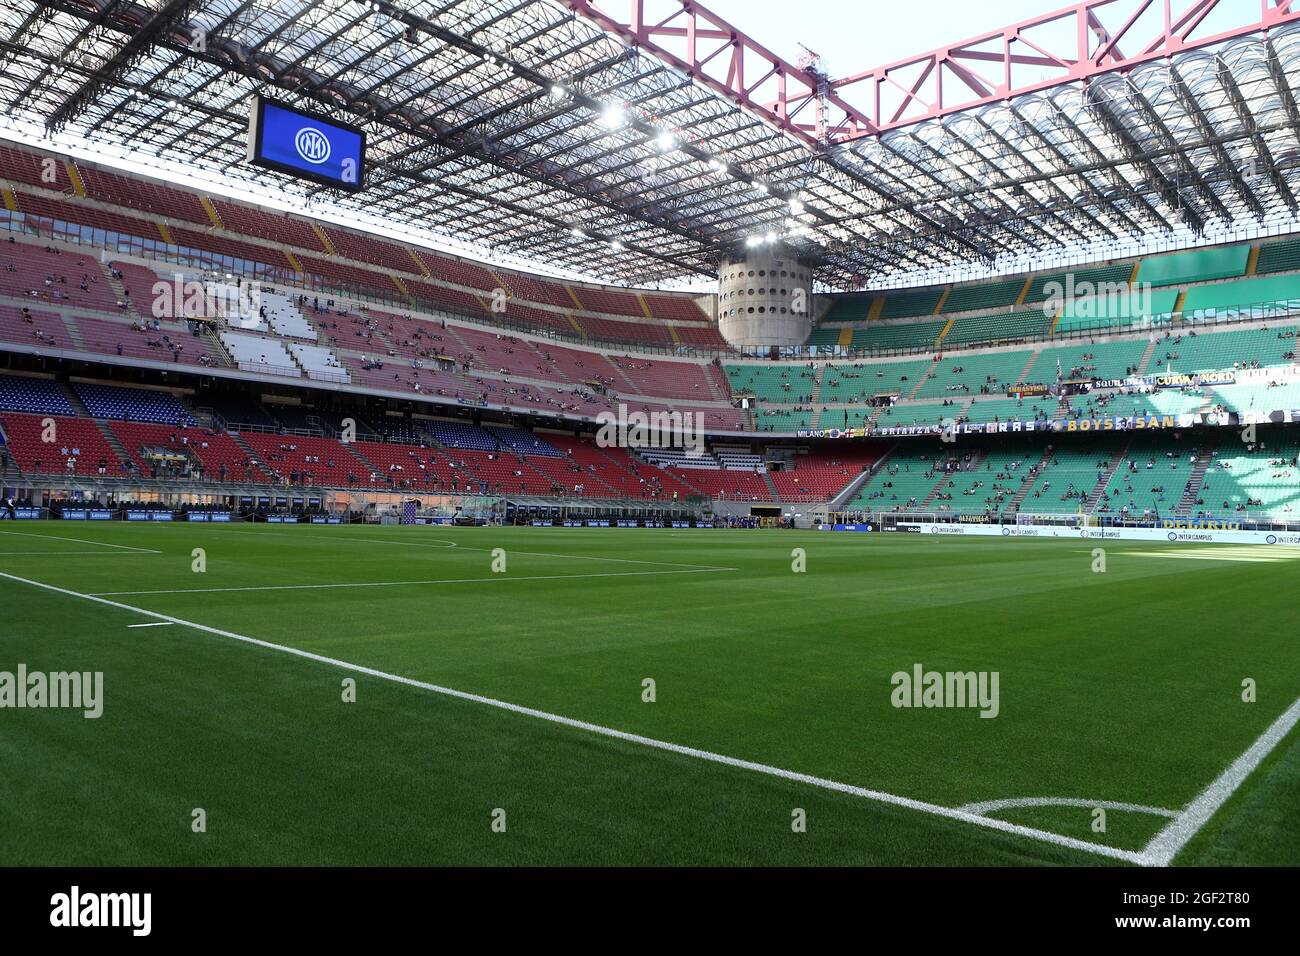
312,145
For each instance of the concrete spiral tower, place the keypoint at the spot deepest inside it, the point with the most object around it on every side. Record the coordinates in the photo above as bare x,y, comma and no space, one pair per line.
765,300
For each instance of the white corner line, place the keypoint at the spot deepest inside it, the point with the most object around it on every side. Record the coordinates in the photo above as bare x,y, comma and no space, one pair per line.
153,624
1016,803
950,813
1169,842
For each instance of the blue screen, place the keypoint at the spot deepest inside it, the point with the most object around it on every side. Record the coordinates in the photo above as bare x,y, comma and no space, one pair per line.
307,145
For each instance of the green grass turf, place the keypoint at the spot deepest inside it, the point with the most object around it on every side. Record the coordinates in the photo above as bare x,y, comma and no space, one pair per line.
1122,686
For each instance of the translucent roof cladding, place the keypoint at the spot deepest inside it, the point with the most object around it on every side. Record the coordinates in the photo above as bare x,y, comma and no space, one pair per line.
513,123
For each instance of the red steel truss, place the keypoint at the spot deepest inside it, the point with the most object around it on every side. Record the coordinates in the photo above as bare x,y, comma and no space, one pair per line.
1076,43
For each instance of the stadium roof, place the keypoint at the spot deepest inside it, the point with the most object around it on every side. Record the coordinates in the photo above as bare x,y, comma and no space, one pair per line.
562,133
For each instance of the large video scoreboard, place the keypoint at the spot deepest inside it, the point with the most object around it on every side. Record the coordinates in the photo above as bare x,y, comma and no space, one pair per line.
307,145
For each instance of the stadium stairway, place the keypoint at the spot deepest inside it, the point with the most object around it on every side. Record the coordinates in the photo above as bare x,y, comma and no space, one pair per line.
257,459
920,381
1147,355
366,463
1204,456
850,492
73,399
114,442
977,457
1027,484
1094,496
119,290
74,332
719,387
771,485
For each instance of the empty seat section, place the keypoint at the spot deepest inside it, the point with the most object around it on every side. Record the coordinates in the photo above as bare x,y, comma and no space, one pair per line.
664,379
319,362
1141,307
256,354
1062,286
132,404
885,336
274,226
19,393
900,305
1278,257
143,194
1259,298
1198,265
984,295
998,327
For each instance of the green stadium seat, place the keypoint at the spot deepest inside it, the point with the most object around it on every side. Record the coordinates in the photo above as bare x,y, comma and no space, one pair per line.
1265,481
1118,311
905,477
1216,351
1100,360
856,382
984,295
850,307
998,327
899,305
1198,265
995,369
1278,257
1259,298
884,336
1104,279
779,384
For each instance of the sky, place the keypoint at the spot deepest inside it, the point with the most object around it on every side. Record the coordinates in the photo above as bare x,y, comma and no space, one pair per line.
856,35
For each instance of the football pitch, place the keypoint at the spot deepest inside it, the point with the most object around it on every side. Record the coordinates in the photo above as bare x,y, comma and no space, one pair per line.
386,695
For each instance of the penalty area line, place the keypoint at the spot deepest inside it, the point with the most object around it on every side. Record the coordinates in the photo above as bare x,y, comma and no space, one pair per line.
821,783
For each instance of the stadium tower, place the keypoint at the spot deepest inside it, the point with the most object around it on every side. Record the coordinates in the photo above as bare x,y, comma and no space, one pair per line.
764,300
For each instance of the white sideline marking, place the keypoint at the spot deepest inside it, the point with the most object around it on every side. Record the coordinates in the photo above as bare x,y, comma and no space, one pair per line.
448,544
1012,803
1256,557
85,554
544,554
1166,844
395,584
59,537
877,796
153,624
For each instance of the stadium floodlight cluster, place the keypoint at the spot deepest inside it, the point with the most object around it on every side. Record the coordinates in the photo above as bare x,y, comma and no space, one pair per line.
523,126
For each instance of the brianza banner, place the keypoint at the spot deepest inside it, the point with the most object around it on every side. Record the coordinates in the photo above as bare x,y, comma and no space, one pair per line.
1173,534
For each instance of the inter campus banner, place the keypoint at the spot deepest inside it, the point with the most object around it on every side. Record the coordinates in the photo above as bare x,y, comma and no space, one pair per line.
1175,532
